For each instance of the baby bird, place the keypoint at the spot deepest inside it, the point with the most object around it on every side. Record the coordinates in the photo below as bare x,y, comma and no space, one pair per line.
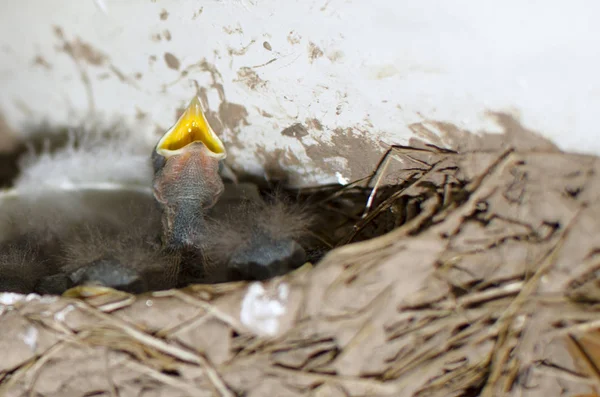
249,238
21,266
84,214
239,236
65,239
126,255
186,182
71,220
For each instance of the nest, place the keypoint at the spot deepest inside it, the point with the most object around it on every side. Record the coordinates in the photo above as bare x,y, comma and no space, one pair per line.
484,282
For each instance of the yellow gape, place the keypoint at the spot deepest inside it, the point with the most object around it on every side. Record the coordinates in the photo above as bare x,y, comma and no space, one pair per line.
191,127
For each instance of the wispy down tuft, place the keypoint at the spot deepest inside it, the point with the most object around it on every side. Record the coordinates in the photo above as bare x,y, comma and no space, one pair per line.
91,157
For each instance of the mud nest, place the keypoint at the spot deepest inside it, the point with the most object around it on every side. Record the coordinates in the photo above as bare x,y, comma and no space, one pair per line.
483,281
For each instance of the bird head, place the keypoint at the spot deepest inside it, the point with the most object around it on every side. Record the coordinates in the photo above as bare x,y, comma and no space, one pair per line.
191,131
186,173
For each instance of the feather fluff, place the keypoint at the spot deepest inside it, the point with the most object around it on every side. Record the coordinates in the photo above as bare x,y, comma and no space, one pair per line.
254,230
21,266
91,157
135,248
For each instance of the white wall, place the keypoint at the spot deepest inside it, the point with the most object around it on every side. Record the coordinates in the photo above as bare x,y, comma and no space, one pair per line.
365,70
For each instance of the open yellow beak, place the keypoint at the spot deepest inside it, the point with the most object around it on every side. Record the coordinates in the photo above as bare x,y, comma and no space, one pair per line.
191,127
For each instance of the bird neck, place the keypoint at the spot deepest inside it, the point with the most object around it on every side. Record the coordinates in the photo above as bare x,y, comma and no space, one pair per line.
188,226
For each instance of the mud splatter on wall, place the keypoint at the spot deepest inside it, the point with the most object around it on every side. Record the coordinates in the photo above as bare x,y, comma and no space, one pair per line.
303,87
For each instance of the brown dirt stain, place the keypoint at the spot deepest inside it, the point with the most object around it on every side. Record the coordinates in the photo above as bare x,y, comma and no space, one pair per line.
172,61
264,113
250,78
197,13
139,114
81,52
179,111
215,76
241,51
352,144
233,29
233,115
211,116
294,38
152,59
167,35
267,46
229,115
448,135
335,56
297,130
314,52
277,163
314,124
120,75
85,52
164,14
41,61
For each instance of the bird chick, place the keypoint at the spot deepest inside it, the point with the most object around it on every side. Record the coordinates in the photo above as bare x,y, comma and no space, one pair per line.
124,254
20,266
253,239
186,182
60,239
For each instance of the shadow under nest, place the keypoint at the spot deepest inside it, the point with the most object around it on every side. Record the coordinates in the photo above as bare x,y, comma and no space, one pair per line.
77,235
